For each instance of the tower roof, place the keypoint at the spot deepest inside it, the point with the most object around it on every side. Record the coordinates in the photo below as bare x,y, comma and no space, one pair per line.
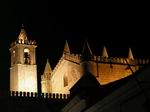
86,49
104,52
130,55
47,67
22,35
66,48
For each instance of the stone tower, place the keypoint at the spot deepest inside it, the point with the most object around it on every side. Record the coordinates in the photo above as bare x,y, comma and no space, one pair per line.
23,70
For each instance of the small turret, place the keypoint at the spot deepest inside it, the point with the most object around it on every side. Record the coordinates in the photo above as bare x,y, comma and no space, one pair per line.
66,48
48,69
104,52
130,55
86,58
45,78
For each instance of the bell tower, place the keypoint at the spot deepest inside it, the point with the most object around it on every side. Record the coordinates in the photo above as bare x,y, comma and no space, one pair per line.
23,70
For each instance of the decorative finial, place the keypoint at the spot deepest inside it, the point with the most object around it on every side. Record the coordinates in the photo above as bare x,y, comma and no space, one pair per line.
22,35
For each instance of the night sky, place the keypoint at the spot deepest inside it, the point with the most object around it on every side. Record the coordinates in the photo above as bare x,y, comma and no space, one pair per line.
117,26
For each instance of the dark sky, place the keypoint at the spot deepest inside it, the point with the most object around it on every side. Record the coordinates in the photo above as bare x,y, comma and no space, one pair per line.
117,26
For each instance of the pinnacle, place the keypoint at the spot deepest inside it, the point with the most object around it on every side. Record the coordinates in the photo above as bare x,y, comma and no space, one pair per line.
47,67
86,49
22,35
66,48
130,55
104,52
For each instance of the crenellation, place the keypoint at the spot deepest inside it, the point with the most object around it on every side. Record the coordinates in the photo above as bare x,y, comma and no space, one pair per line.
112,60
140,61
93,57
38,95
76,57
121,60
143,61
116,60
98,58
67,56
26,42
146,61
101,59
72,57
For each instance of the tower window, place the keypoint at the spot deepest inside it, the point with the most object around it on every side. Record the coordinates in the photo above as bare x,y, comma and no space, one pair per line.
13,56
26,56
65,81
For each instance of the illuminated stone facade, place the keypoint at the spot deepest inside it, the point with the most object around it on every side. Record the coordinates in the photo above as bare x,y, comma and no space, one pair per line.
106,69
23,70
68,70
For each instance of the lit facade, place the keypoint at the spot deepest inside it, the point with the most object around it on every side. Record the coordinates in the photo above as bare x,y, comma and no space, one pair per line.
23,70
70,69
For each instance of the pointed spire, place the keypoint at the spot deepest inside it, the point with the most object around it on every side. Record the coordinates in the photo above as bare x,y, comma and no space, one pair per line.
130,55
22,35
86,52
86,56
66,48
104,52
48,69
86,49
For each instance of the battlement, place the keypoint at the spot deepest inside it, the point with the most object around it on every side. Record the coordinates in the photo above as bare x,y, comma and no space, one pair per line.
73,57
116,60
38,95
26,42
113,60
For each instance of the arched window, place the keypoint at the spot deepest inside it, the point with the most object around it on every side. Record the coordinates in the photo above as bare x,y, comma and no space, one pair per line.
26,56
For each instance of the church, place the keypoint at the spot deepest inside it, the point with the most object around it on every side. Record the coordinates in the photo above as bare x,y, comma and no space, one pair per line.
68,72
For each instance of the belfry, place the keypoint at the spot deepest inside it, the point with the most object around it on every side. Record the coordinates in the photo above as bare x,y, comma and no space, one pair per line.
23,70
